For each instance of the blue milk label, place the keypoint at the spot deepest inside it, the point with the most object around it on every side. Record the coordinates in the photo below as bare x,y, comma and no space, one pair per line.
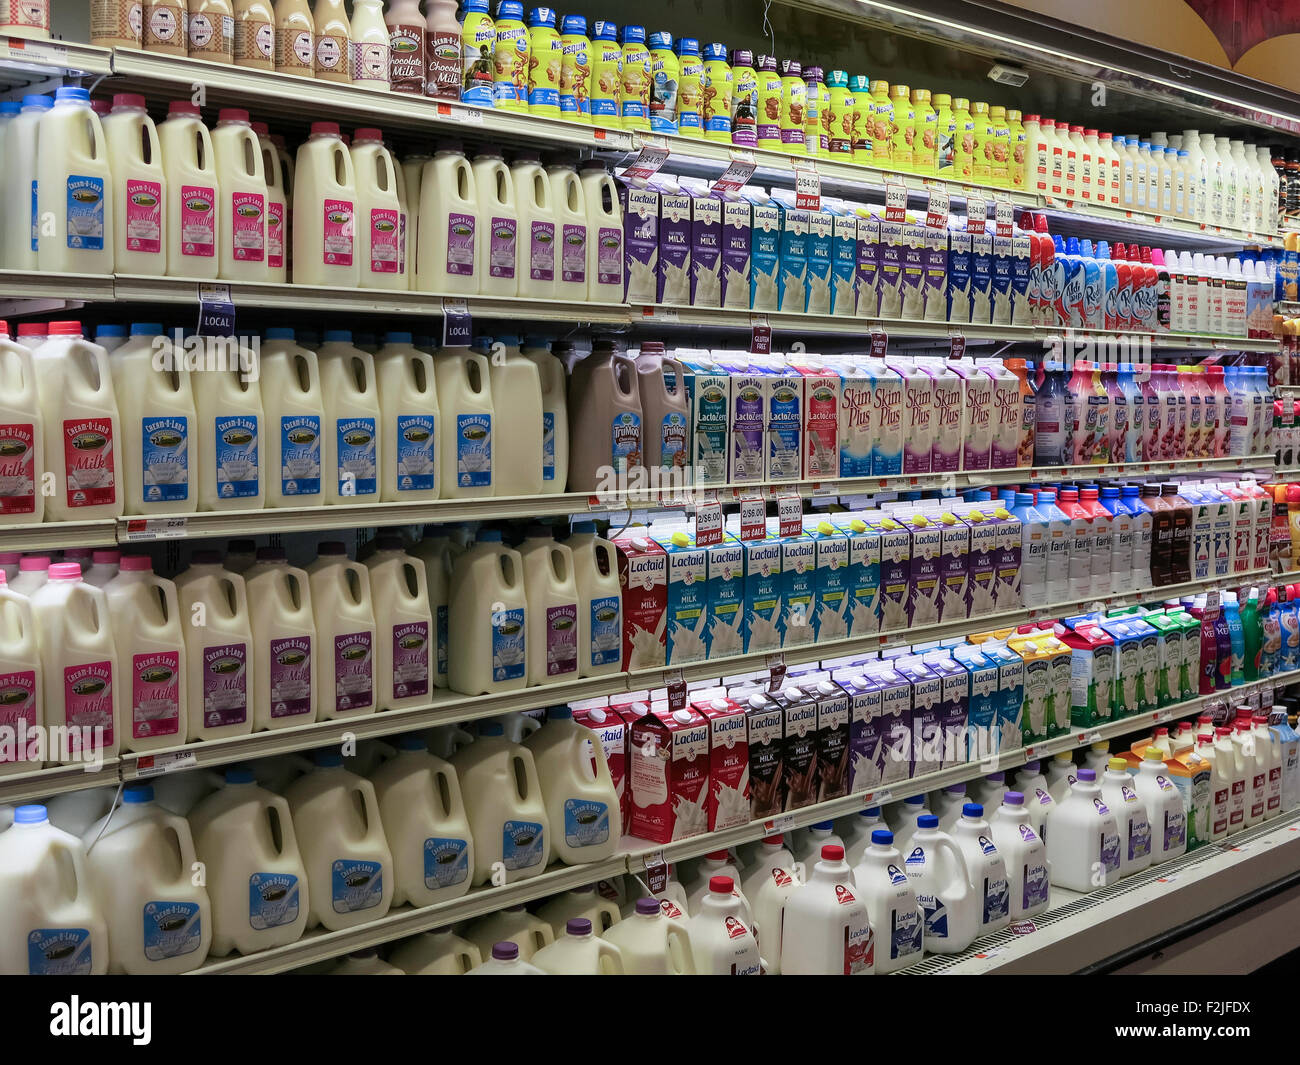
905,936
446,862
236,440
300,455
165,459
1035,893
586,823
672,440
936,916
272,900
606,630
358,453
58,952
508,644
548,445
355,885
523,844
474,450
36,224
625,441
171,929
416,434
85,221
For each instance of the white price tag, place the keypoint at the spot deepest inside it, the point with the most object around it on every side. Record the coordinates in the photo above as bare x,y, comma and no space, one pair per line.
778,825
936,212
753,517
155,528
789,509
875,798
1212,600
737,174
807,187
1003,217
895,201
977,214
153,765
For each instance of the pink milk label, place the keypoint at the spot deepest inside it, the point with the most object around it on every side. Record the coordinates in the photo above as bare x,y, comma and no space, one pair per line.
144,216
225,685
411,659
155,694
290,676
248,227
353,671
275,234
383,241
501,248
729,791
17,468
1006,432
460,244
668,775
340,228
561,640
541,252
88,462
573,253
17,714
821,426
88,701
198,220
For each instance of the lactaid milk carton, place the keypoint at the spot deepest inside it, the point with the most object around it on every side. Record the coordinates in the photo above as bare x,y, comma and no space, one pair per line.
730,796
610,731
844,259
674,274
706,243
764,250
687,605
863,577
724,631
832,737
960,255
736,213
821,258
895,570
643,576
924,580
668,769
765,719
640,242
954,565
935,282
792,277
896,727
866,742
868,264
927,737
763,593
1012,690
800,769
982,699
954,704
798,576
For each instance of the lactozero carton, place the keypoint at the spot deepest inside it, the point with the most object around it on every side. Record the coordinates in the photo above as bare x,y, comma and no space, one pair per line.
643,575
294,412
669,775
403,627
345,631
222,673
324,211
708,392
729,798
285,644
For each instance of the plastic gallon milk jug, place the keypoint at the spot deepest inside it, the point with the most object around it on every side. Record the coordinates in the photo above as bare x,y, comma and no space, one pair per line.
324,211
555,414
579,952
79,665
486,610
364,963
139,188
600,608
33,571
570,212
426,825
605,419
349,866
147,632
408,398
141,860
464,386
1025,855
257,883
285,645
241,180
581,803
222,672
986,870
497,234
517,403
937,872
1118,792
345,633
1165,809
192,218
155,408
1083,838
294,412
654,944
22,438
505,961
50,923
857,837
277,211
716,863
585,902
20,679
378,212
436,554
896,917
722,942
826,928
604,234
537,235
513,925
354,432
665,411
74,188
403,627
551,633
507,812
232,473
437,953
82,431
446,201
21,228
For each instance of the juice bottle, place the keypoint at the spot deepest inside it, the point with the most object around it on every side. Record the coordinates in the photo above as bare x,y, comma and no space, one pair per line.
963,152
882,125
478,36
1018,163
744,96
839,116
665,74
689,88
863,124
606,76
545,59
926,143
982,144
794,107
1000,161
576,54
637,78
510,56
333,42
718,96
768,105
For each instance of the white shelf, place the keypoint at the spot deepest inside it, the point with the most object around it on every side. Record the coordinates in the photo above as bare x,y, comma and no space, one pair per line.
40,783
54,535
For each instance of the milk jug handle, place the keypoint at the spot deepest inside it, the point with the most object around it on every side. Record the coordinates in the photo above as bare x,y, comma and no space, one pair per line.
679,379
959,859
371,803
677,931
288,839
622,365
185,840
597,753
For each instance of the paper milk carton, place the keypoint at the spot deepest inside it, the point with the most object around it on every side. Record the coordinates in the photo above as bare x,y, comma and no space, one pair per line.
948,415
981,279
729,798
1169,649
610,732
954,565
887,452
1021,258
924,577
1006,565
764,249
668,772
918,415
935,282
868,275
832,591
674,273
915,259
643,575
927,735
977,393
1192,775
765,718
982,702
832,737
1092,674
1060,660
960,256
640,242
792,278
724,632
800,769
1034,723
748,417
892,244
1149,658
736,214
687,600
1128,665
1189,674
857,417
798,576
866,745
784,413
821,406
708,394
706,243
821,258
896,728
844,259
1003,257
954,705
763,593
1012,691
895,570
863,577
985,550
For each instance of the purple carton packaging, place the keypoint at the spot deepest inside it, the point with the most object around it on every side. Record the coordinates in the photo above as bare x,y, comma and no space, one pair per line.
935,284
915,257
868,264
959,276
890,272
866,745
981,597
895,570
736,213
927,740
895,721
954,703
674,274
640,242
954,566
706,244
1006,589
924,573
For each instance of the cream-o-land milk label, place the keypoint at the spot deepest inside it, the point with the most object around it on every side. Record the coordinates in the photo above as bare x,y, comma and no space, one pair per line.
18,712
225,685
88,466
17,468
668,775
291,671
155,694
643,576
354,668
729,778
611,732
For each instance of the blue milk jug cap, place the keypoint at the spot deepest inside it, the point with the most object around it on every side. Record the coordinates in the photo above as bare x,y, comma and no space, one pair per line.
661,39
510,9
327,759
882,836
584,526
111,330
36,100
606,30
138,793
715,52
491,728
280,332
574,24
397,338
488,536
561,712
824,826
510,340
870,811
33,813
412,742
542,16
927,821
915,800
1110,493
688,46
239,775
10,107
972,809
633,35
74,93
142,329
333,336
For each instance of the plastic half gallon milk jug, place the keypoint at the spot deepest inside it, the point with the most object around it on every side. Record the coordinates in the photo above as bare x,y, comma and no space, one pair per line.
345,633
578,952
437,953
408,398
654,944
537,244
353,428
505,961
76,811
665,412
155,407
585,902
222,672
581,803
1083,838
257,883
986,869
447,250
349,866
241,179
20,678
232,475
605,421
435,553
825,929
324,211
497,233
139,188
82,432
464,386
277,210
570,209
74,188
403,626
716,863
1118,792
426,825
22,438
486,609
50,923
600,605
141,860
937,871
857,837
896,917
294,412
551,634
285,645
507,813
517,403
512,926
555,414
33,570
1165,809
192,220
722,942
1024,854
604,234
146,616
79,664
379,235
21,228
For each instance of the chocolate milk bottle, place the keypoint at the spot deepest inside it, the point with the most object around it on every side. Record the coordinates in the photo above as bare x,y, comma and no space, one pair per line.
605,421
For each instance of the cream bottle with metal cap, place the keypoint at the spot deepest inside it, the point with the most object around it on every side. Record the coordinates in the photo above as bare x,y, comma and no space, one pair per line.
164,26
241,180
345,633
295,38
211,31
192,218
369,55
378,212
333,42
254,45
324,211
285,645
74,188
139,187
115,23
